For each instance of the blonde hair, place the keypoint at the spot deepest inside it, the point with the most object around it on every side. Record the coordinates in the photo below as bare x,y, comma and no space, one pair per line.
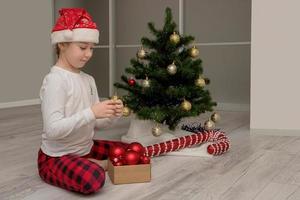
57,49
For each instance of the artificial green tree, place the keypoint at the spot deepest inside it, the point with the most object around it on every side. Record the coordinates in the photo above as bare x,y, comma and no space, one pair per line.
165,81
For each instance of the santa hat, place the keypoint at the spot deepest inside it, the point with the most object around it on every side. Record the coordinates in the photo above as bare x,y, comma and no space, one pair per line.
74,25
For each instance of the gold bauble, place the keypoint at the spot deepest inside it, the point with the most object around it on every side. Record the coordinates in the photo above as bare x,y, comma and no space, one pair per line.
146,83
114,98
215,117
208,125
156,131
126,111
141,53
174,38
186,105
200,82
172,69
194,52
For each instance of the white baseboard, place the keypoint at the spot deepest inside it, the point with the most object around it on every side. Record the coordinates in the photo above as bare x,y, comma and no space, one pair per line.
233,107
275,132
20,103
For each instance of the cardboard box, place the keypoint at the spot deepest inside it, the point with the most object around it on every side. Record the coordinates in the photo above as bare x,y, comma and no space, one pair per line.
129,173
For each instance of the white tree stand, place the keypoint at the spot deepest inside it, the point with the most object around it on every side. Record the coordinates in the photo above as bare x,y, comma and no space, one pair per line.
141,131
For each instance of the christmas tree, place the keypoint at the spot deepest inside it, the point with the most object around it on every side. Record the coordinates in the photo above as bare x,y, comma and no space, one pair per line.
165,81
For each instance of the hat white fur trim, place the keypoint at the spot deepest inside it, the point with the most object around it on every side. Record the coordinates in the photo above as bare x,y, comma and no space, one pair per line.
75,35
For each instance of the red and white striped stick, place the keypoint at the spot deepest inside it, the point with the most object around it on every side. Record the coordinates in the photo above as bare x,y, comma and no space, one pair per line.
220,143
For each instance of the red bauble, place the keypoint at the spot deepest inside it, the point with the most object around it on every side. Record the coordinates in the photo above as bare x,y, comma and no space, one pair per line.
119,163
137,147
116,152
115,159
131,157
144,160
131,82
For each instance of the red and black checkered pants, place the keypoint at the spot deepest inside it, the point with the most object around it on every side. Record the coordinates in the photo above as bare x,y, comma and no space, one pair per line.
76,173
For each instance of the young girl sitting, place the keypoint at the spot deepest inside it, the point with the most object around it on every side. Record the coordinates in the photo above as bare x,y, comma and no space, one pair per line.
69,157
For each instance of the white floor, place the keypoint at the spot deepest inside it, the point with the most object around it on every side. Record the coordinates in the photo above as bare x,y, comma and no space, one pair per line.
257,167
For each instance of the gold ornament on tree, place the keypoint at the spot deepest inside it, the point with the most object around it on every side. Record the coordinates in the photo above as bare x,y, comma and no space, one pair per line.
194,52
174,38
126,111
146,83
209,124
172,69
200,82
156,130
141,53
186,105
215,117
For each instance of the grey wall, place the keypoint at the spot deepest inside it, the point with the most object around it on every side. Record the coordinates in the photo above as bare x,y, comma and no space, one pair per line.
26,59
218,20
26,53
132,17
227,66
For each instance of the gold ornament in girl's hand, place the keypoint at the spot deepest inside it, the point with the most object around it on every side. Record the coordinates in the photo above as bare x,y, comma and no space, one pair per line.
126,111
114,98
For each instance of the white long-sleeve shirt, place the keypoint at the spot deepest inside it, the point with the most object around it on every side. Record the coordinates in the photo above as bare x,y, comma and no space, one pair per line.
69,122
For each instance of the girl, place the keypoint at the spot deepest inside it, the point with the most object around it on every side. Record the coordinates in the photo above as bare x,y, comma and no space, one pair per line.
69,157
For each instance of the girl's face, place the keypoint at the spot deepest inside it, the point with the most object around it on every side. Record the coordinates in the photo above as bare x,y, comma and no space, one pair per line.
75,55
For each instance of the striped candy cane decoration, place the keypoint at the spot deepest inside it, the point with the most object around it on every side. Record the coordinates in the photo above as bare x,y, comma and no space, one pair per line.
219,139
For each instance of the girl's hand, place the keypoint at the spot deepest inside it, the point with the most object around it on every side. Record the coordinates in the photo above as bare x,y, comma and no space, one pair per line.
104,109
119,108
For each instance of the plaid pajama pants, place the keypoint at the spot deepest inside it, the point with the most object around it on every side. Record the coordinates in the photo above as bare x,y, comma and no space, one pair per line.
76,173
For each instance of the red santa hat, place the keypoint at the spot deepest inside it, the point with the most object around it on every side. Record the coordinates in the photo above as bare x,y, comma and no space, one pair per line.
74,25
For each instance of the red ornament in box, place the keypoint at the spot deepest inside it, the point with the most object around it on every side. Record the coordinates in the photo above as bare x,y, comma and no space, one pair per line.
137,147
144,160
131,82
118,163
115,160
132,154
116,152
131,157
